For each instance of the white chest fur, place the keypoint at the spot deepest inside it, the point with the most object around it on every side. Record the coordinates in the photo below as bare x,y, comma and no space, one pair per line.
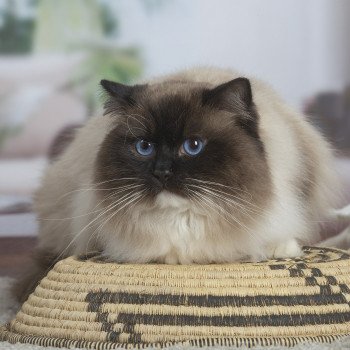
170,230
174,230
181,228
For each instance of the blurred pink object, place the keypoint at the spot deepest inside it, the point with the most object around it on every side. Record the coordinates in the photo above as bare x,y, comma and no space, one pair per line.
37,101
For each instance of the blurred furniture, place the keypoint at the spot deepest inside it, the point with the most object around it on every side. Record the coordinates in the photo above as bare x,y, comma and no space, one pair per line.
18,180
330,112
37,103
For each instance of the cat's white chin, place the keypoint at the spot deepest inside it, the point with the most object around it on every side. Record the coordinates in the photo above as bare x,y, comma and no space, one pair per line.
166,199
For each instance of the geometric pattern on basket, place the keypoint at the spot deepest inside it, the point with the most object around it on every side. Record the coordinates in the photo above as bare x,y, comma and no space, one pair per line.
96,304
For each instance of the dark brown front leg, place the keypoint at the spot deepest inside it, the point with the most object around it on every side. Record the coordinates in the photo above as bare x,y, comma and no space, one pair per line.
41,263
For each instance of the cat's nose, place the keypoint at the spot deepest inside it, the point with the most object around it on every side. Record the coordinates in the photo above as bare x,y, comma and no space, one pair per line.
162,174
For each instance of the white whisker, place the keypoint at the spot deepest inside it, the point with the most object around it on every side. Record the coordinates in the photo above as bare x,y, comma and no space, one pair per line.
219,184
109,208
94,186
230,201
220,211
95,210
131,199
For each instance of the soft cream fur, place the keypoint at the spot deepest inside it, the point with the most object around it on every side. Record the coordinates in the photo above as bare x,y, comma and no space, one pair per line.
173,230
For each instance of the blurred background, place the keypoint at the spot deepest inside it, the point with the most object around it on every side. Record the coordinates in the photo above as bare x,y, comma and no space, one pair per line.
54,53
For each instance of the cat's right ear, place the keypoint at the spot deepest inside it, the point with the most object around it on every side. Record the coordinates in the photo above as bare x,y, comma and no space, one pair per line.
235,94
122,95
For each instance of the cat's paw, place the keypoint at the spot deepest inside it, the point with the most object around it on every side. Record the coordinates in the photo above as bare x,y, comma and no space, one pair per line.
340,241
341,214
288,249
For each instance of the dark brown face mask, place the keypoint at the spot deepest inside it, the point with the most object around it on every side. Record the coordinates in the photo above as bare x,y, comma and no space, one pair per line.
173,139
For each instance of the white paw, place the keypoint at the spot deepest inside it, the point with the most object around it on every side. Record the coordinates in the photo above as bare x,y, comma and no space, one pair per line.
341,214
340,241
288,249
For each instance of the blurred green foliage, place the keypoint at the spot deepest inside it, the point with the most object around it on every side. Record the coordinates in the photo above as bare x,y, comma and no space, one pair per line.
16,33
89,27
118,64
110,23
6,132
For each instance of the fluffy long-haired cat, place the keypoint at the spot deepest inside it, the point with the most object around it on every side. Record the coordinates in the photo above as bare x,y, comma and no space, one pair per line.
202,166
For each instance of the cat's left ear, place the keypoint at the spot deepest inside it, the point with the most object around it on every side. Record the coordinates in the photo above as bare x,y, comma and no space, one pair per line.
121,94
116,89
235,94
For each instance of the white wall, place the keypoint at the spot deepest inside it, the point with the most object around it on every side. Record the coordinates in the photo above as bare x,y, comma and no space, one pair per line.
299,46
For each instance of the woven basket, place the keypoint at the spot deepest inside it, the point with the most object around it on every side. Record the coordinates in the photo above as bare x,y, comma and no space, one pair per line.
95,304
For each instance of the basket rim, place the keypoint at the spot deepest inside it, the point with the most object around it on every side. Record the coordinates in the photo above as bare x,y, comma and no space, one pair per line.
250,342
93,259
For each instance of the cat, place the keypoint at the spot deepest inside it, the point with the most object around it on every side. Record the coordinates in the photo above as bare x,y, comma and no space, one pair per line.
201,166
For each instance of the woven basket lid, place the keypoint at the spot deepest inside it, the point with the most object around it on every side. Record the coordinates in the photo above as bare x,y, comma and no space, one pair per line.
91,303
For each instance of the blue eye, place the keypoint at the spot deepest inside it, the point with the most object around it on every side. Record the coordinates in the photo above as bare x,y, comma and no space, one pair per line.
193,146
144,148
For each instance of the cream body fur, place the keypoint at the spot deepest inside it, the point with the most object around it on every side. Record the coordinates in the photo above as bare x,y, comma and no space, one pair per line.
173,229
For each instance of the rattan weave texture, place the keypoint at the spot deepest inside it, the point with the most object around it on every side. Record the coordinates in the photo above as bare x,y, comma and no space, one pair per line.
91,303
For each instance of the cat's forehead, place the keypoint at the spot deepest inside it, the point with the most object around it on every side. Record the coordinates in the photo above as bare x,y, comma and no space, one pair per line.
174,111
171,98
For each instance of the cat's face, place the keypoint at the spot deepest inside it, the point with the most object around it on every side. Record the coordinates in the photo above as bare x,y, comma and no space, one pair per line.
197,142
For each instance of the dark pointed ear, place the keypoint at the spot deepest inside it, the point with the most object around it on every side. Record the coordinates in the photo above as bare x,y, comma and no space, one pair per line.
121,95
236,93
116,89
